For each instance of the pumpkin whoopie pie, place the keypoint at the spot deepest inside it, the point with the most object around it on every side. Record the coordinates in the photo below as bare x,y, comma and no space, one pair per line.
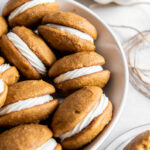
28,137
81,117
78,70
28,12
8,73
141,142
3,26
3,92
68,32
28,52
27,102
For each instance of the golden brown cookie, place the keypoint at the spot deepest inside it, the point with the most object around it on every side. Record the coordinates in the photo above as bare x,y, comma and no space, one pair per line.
27,102
28,52
78,70
141,142
28,137
3,92
71,20
28,12
81,117
8,73
11,5
3,26
68,32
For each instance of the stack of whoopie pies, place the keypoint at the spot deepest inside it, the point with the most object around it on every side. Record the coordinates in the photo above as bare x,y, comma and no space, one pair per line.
59,60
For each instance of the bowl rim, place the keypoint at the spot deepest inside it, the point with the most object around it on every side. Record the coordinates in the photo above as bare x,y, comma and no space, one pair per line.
126,81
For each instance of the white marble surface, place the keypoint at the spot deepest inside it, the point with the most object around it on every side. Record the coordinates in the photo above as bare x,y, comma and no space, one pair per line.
137,108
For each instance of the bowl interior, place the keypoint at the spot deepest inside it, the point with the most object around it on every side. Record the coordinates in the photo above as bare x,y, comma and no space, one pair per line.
108,46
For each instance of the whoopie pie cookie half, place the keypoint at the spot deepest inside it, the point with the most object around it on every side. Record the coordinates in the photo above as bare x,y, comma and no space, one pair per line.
27,102
78,70
3,26
140,142
8,73
68,32
81,117
28,52
28,12
3,92
28,137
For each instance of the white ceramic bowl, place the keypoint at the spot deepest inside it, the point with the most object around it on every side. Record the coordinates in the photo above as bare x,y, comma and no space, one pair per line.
107,45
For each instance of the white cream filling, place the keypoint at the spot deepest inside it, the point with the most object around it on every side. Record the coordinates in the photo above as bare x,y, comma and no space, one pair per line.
23,48
1,86
96,111
24,104
4,67
26,6
50,145
77,73
72,31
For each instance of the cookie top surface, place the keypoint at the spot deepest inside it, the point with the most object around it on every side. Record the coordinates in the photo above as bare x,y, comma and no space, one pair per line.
25,137
74,109
71,20
139,142
36,44
28,89
11,5
2,60
76,61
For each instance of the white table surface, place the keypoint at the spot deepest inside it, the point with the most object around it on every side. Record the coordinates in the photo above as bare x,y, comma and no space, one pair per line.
137,108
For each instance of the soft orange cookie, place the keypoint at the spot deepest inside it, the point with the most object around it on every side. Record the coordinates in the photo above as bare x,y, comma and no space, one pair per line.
81,117
68,32
8,73
78,70
27,102
28,52
28,12
3,92
3,26
28,137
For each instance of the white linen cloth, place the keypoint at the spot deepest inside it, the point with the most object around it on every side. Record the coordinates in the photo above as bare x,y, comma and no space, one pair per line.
136,111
